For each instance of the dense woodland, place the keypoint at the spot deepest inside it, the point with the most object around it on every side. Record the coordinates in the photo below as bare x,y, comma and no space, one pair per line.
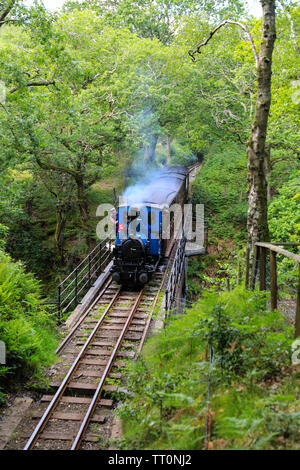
91,92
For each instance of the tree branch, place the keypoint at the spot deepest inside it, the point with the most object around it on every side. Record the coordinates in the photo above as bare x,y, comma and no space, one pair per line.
41,83
211,34
107,115
6,11
49,166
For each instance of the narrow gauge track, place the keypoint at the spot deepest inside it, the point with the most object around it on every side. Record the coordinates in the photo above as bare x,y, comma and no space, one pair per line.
119,330
123,324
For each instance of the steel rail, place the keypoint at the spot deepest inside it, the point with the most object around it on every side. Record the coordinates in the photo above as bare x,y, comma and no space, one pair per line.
80,321
95,399
55,400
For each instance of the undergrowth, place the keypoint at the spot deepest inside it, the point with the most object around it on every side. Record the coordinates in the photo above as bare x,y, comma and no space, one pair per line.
26,327
254,398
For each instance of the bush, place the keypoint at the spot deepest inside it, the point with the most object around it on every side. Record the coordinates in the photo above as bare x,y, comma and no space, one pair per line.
25,243
25,326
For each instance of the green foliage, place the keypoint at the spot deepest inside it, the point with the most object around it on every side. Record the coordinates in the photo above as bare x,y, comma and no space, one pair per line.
26,243
116,76
284,224
221,187
25,326
154,19
85,91
3,234
22,237
284,211
167,392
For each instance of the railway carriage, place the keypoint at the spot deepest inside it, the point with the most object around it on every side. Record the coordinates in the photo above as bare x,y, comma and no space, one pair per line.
140,241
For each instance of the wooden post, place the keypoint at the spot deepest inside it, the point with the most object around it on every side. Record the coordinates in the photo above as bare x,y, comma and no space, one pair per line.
262,268
273,279
254,267
247,269
297,322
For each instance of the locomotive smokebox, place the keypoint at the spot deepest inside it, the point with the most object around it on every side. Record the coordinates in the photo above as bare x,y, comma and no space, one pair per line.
133,249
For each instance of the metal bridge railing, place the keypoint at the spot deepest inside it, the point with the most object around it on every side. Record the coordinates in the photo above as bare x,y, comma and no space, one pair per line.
178,268
175,275
73,288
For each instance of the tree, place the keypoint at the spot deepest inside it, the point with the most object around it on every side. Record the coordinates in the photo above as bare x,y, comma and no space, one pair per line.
5,11
257,221
161,19
18,13
74,106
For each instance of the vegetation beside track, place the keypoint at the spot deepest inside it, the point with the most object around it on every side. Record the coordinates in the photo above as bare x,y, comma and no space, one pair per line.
25,327
221,186
254,393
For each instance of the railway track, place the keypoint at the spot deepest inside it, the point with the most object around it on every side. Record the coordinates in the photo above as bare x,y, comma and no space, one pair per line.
77,414
113,328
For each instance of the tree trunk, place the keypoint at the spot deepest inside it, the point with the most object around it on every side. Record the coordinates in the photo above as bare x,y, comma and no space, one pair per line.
268,170
59,231
257,222
83,206
150,149
82,201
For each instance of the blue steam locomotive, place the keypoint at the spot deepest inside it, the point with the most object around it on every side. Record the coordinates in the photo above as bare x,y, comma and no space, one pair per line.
140,242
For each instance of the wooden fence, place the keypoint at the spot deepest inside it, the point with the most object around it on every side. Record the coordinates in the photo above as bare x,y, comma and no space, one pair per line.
261,259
